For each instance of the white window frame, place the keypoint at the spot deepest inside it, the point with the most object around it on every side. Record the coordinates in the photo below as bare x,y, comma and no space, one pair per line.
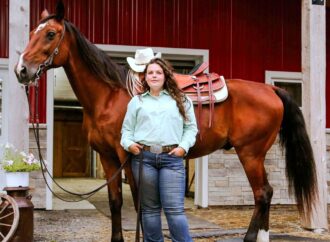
286,77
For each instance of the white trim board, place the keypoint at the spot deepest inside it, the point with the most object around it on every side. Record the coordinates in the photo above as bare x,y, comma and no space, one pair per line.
4,63
284,75
50,135
171,53
3,75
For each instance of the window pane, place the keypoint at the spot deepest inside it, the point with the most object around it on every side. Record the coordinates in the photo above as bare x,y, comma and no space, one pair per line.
293,88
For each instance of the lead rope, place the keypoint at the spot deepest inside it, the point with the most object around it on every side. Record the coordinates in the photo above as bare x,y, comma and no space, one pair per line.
83,196
138,215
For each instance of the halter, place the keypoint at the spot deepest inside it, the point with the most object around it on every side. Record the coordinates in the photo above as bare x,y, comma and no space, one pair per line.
49,60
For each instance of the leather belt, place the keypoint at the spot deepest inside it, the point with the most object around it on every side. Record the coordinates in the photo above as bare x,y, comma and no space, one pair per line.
157,149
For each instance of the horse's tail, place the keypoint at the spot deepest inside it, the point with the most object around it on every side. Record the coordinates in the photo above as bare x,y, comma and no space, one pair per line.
300,165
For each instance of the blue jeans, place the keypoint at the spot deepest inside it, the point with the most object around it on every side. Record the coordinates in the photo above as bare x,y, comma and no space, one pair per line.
163,186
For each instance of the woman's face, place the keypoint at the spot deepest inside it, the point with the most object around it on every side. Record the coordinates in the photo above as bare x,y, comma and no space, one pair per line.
155,78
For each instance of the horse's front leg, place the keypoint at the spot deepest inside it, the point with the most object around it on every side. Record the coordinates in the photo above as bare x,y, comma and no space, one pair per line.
259,225
110,166
126,157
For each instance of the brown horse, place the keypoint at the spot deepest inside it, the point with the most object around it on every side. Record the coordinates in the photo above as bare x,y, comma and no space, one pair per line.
249,120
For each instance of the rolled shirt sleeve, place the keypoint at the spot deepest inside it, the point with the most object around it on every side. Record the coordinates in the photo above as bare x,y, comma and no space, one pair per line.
127,131
189,127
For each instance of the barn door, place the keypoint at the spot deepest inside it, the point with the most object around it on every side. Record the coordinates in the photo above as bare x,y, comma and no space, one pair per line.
71,149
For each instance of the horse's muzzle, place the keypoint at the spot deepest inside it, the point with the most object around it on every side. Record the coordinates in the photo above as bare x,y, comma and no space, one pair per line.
22,75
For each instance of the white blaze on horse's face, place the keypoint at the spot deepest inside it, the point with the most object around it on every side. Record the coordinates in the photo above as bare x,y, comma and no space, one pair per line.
40,27
19,66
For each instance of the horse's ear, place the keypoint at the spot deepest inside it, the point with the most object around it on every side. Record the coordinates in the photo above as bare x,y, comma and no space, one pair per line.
59,11
44,14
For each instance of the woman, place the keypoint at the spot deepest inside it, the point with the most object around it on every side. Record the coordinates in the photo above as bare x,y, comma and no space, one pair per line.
158,129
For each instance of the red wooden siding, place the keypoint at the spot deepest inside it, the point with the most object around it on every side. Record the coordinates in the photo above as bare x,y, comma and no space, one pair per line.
244,38
4,28
328,67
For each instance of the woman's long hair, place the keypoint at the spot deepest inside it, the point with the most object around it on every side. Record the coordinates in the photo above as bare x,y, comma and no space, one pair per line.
170,85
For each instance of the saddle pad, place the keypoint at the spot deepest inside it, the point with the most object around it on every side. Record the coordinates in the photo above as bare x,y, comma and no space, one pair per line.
218,96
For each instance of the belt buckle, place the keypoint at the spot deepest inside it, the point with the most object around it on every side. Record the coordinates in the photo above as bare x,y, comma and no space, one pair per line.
156,149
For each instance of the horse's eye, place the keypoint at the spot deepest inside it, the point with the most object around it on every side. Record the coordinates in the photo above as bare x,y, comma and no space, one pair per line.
51,35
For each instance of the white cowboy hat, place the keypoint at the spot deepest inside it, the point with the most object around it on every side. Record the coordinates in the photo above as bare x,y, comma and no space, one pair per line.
142,58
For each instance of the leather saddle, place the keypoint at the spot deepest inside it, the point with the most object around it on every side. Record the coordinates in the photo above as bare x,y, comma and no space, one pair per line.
202,88
199,85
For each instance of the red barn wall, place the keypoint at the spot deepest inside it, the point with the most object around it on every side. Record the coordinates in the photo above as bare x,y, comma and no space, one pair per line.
328,67
4,28
244,38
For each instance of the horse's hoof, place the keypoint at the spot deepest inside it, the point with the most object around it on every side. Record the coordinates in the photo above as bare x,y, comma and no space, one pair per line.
250,238
118,238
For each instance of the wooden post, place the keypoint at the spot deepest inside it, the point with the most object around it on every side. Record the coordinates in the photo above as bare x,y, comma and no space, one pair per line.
201,182
313,69
15,103
15,112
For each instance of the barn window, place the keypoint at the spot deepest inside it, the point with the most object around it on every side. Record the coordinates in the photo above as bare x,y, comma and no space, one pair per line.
290,81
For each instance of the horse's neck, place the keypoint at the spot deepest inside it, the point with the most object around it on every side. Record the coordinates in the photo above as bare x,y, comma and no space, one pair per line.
88,87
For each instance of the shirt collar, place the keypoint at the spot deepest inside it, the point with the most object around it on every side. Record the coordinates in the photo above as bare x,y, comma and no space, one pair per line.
161,92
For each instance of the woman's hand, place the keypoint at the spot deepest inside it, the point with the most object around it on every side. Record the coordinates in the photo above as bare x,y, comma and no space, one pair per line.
178,151
135,148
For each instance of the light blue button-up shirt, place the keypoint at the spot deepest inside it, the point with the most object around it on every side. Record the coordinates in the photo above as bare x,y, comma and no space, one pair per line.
152,120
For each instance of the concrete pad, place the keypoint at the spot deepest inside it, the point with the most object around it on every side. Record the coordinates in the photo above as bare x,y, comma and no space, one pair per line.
129,218
61,205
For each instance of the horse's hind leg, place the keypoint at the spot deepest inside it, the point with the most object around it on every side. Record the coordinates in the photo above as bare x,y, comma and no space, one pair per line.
115,198
259,225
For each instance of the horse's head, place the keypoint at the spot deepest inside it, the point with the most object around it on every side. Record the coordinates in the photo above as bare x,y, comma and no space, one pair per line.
46,48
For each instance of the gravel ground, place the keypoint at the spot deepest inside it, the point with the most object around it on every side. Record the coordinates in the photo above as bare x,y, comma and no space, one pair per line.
220,223
92,225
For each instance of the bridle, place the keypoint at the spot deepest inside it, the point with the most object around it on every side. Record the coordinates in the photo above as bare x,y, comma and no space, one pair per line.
49,61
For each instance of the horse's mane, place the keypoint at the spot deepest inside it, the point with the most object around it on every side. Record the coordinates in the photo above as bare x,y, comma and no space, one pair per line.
95,59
